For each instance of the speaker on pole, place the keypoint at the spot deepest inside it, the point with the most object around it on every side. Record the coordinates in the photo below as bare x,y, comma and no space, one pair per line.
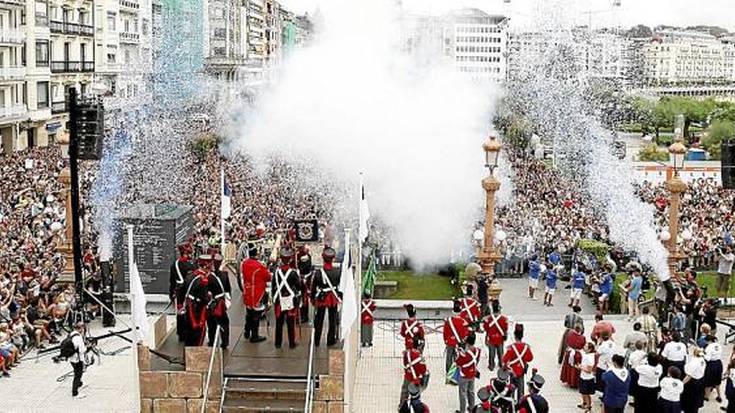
727,149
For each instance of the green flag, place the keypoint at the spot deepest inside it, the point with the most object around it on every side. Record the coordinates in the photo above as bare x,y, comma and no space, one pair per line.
368,281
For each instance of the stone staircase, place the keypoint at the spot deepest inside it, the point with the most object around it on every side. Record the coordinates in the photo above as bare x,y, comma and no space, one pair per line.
275,395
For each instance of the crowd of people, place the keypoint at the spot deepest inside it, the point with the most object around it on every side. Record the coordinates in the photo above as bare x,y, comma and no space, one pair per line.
549,213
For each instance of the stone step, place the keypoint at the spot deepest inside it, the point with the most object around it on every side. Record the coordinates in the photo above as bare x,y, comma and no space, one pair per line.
264,406
241,389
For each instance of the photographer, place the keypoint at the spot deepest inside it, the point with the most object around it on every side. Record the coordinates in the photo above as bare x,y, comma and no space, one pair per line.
77,359
724,270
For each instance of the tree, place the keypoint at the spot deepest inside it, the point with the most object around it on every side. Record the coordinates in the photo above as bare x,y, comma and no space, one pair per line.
718,131
652,153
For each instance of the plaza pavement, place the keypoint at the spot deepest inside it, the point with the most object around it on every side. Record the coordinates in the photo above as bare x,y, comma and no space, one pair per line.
379,372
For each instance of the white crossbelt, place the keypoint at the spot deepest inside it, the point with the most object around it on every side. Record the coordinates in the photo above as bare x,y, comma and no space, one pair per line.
409,328
282,281
411,363
366,308
454,330
329,283
180,280
519,357
468,307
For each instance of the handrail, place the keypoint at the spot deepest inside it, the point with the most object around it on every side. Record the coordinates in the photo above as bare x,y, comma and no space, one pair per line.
215,347
309,378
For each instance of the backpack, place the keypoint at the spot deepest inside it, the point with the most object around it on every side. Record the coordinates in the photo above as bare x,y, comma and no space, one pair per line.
67,348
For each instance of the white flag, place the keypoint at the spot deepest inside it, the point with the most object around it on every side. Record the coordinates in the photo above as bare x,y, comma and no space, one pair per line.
137,305
347,287
226,199
363,230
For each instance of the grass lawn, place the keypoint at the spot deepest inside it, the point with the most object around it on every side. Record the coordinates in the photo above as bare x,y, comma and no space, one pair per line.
419,286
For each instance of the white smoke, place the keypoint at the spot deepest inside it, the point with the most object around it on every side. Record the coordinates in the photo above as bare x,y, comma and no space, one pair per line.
355,101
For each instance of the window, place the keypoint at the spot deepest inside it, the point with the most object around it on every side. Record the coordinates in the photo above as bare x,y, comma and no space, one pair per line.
41,13
42,94
111,54
42,56
144,26
111,20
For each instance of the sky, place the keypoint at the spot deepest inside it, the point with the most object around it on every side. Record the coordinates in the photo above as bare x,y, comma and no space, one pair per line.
601,13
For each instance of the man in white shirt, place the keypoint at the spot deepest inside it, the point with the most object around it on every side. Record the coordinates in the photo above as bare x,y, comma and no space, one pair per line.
77,360
724,270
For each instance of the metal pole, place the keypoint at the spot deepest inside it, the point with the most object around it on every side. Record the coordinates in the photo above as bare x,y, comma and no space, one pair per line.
75,218
221,211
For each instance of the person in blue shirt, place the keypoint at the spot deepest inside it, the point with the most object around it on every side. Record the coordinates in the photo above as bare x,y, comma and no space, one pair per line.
634,290
578,280
534,272
554,258
550,286
606,287
617,383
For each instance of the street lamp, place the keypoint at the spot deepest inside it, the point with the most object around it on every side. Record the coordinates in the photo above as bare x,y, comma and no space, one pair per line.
65,246
489,255
676,186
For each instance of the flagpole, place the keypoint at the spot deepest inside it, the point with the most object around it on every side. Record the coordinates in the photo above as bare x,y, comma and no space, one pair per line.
358,264
131,261
221,212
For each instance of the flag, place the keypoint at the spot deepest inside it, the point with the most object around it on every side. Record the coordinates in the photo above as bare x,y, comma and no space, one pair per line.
368,281
364,215
138,304
226,196
347,287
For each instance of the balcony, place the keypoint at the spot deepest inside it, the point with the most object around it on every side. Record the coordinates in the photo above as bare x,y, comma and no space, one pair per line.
73,29
128,37
59,107
131,6
13,36
66,66
12,73
15,2
12,112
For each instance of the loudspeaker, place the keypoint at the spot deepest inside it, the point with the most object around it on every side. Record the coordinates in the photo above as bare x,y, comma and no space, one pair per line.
727,151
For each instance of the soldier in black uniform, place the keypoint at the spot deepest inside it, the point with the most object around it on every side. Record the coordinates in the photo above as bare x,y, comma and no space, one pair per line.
178,281
303,263
286,290
197,301
220,297
327,297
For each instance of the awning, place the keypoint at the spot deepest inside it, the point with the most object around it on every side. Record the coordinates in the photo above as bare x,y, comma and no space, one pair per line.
53,126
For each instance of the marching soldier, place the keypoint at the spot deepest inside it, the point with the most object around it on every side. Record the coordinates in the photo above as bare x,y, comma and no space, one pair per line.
500,391
455,332
487,404
180,270
303,263
495,326
197,300
285,291
367,317
467,363
534,402
219,302
413,404
516,359
470,310
327,297
255,279
414,371
412,330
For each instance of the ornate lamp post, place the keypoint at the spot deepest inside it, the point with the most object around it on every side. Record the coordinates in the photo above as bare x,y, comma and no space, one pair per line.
489,255
65,247
676,186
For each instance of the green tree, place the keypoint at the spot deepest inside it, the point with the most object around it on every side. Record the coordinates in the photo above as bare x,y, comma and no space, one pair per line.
718,131
652,153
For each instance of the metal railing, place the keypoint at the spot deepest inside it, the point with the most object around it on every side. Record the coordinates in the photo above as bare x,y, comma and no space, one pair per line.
12,72
13,110
309,377
59,107
12,36
129,37
61,27
64,66
215,348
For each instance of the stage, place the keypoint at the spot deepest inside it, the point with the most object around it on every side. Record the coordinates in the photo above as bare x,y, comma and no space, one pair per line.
261,360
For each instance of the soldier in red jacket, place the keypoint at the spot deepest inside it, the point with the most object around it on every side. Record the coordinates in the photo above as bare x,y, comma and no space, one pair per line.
414,370
468,360
495,326
367,316
197,301
455,332
327,297
470,310
255,279
412,330
516,359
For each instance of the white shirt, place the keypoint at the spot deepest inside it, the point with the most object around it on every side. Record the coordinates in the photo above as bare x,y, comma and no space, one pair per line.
695,368
605,353
671,389
637,358
79,345
648,375
713,351
725,264
588,360
674,351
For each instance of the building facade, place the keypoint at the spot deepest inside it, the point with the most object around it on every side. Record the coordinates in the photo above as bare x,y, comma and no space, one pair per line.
225,38
477,43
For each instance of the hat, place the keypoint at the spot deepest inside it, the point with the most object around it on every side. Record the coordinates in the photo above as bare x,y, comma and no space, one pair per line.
253,249
518,330
484,393
204,258
537,381
328,254
503,375
286,253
